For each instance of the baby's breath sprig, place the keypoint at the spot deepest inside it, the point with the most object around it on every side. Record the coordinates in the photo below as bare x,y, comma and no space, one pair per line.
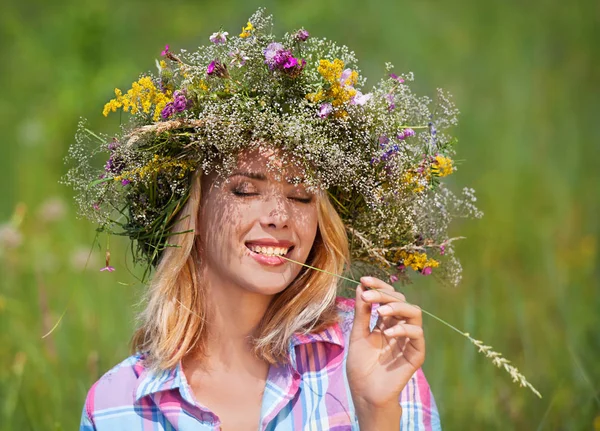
496,357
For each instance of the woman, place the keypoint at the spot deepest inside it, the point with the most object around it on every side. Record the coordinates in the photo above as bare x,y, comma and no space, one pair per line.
252,175
219,334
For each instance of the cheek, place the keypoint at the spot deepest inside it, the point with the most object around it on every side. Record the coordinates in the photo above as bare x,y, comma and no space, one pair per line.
226,221
307,223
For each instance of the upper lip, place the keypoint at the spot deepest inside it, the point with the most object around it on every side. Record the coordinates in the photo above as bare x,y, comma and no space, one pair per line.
270,242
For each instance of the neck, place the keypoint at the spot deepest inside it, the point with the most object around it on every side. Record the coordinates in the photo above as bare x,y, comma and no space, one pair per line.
234,315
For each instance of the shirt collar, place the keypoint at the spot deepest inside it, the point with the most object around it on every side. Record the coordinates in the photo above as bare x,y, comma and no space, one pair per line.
153,381
332,334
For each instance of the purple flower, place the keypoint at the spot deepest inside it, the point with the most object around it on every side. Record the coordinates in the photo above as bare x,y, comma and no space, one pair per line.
124,182
401,267
360,99
302,35
442,249
279,58
167,111
270,52
383,141
179,101
426,270
165,51
108,268
325,109
218,37
179,104
393,278
396,78
433,133
406,133
390,98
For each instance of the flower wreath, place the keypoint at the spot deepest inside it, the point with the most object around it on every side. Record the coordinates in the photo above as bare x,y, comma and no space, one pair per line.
381,155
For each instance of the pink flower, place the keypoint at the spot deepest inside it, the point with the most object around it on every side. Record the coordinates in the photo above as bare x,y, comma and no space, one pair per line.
217,68
360,99
393,278
442,249
324,110
165,51
345,78
396,78
218,37
302,35
108,268
426,270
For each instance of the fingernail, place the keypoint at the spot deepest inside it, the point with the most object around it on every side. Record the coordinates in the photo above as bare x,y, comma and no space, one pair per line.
368,295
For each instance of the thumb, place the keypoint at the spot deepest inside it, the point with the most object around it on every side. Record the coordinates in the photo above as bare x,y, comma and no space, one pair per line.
361,327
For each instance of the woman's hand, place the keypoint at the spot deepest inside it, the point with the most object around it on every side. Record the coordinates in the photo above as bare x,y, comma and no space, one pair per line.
381,362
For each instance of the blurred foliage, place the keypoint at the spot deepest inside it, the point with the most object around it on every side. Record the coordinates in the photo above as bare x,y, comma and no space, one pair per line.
526,76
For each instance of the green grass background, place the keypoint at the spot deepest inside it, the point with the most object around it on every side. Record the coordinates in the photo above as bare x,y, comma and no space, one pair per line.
524,74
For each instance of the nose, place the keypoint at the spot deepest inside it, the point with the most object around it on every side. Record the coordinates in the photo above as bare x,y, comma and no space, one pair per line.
275,213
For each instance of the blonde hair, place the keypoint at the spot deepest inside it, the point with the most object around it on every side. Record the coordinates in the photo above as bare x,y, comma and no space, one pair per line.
173,322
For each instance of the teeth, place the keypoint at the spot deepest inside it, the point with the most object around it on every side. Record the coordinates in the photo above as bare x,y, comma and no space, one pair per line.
269,251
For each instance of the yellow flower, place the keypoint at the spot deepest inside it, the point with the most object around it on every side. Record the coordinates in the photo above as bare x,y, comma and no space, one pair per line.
442,166
339,92
331,71
415,180
415,260
156,165
141,97
247,31
315,97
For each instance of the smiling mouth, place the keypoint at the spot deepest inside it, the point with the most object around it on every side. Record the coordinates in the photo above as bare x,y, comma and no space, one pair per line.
270,250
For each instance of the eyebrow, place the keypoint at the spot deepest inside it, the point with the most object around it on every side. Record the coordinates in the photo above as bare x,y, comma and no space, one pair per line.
261,177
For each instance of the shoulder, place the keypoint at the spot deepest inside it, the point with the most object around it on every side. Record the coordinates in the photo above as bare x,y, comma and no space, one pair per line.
116,388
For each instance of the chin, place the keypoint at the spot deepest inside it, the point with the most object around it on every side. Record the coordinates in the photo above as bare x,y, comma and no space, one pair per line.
266,283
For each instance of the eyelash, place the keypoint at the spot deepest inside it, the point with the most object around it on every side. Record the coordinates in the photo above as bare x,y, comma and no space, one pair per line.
242,194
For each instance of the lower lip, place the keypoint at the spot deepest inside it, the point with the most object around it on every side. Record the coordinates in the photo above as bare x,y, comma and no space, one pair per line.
268,260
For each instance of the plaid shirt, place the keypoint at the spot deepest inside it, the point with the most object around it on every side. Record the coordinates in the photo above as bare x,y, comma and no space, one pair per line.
310,393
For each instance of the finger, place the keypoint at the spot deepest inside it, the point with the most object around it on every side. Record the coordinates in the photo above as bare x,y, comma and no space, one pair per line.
376,283
405,330
402,310
383,296
414,352
361,326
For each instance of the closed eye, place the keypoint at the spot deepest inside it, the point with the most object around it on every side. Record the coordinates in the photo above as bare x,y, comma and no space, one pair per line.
242,194
238,193
303,200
